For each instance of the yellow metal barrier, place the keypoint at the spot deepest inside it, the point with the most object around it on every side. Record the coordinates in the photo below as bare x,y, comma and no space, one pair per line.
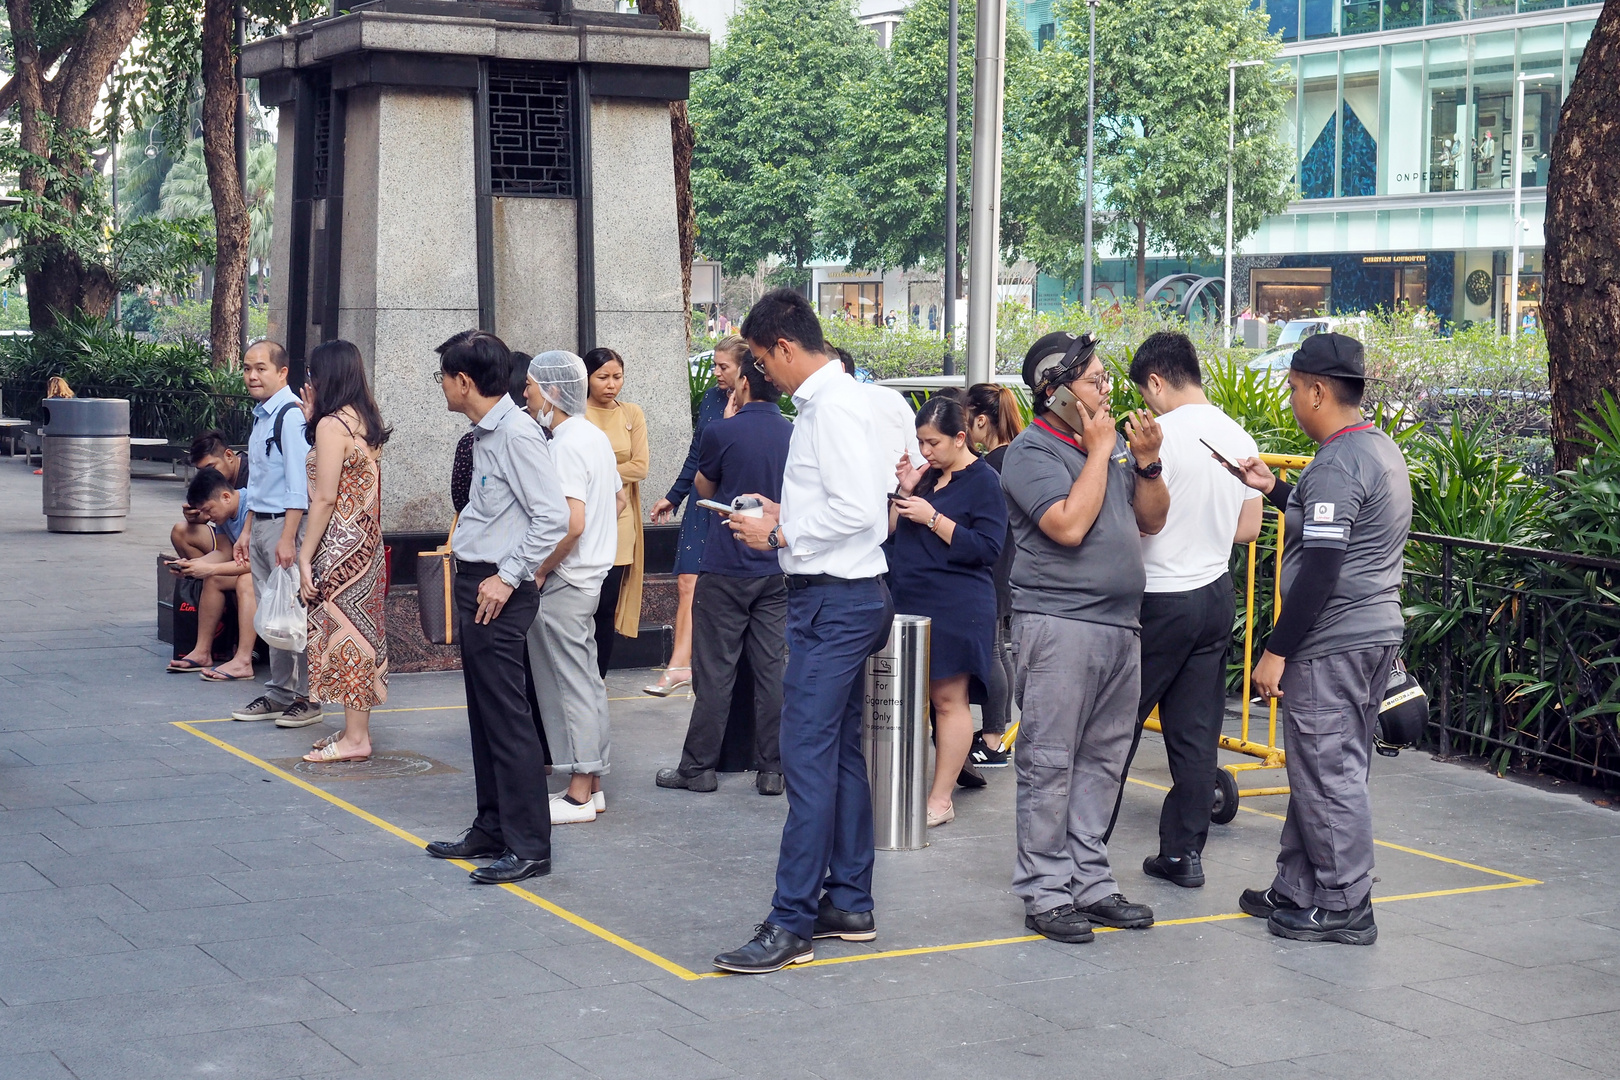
1270,755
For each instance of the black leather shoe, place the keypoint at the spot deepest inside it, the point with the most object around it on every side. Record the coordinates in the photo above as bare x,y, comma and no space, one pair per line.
970,777
1061,924
1188,871
834,922
474,844
769,783
1353,927
673,778
1116,911
772,949
509,868
1262,902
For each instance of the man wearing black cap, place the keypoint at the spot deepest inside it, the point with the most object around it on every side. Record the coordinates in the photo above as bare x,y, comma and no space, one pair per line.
1077,499
1328,658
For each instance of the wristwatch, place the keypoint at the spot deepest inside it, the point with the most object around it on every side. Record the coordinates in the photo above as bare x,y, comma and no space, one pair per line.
1149,472
774,539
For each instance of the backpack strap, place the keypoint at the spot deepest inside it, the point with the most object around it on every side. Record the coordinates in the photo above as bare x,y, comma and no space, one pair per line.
274,441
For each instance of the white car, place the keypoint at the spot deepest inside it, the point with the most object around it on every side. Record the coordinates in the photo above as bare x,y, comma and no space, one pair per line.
1278,358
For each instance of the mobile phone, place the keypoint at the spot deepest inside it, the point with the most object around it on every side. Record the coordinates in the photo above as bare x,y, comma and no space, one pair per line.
895,496
717,507
1222,458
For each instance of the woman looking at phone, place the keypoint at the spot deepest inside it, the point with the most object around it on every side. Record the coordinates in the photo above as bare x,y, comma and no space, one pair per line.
947,523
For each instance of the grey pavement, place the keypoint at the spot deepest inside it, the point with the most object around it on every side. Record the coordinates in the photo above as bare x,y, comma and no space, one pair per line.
170,909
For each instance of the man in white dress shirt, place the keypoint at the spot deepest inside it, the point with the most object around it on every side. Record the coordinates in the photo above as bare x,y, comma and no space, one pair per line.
828,532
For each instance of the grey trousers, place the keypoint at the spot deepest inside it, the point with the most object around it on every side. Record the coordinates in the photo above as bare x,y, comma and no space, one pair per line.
289,671
1077,686
1330,706
571,695
731,615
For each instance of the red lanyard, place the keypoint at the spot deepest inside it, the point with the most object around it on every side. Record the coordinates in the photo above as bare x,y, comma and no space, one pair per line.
1070,439
1345,431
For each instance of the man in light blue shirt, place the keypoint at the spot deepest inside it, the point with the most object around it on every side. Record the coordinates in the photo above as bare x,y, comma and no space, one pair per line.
277,496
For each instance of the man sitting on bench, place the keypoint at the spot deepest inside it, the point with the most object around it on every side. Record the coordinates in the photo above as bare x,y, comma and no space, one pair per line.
193,538
222,507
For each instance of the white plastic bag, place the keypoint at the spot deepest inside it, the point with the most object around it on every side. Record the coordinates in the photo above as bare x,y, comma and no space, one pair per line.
281,619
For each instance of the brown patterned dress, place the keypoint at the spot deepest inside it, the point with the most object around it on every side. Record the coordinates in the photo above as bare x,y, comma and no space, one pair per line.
348,654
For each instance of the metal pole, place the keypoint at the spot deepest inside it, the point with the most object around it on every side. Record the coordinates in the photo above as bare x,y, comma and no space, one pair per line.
1518,211
117,305
1231,168
242,168
983,258
1091,132
951,284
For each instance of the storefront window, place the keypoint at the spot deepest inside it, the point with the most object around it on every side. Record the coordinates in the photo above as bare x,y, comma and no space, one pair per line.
1448,116
853,301
1401,165
1358,169
1288,129
1318,125
1541,52
1492,101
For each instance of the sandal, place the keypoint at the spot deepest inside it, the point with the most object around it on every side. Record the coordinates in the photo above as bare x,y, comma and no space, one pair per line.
183,664
328,740
330,753
216,675
668,683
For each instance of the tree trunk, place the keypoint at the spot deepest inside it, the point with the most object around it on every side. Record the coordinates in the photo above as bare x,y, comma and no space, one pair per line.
1141,262
1581,299
224,182
680,130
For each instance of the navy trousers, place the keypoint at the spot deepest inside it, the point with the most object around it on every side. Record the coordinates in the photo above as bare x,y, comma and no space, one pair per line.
827,840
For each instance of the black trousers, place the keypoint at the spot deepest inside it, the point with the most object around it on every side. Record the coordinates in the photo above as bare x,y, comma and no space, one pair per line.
731,615
607,606
509,759
1185,640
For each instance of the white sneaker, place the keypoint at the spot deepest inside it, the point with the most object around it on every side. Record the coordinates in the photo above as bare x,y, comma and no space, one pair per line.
564,812
599,801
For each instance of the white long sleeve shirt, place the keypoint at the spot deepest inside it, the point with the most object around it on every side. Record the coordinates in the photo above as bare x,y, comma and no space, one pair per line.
835,514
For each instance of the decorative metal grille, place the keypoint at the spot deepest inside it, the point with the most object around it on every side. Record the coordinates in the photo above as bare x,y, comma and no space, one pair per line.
531,130
321,158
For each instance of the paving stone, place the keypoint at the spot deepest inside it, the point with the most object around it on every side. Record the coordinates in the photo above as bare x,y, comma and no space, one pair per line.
430,939
1540,942
503,1064
111,973
124,867
1284,1030
1476,1057
1527,997
46,937
20,877
391,987
33,1067
256,1053
270,957
640,1054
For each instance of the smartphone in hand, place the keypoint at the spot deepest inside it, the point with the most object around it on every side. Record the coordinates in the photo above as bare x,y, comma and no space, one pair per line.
1223,459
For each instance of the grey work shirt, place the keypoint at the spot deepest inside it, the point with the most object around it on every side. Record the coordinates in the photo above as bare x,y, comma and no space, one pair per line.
516,513
1101,581
1356,495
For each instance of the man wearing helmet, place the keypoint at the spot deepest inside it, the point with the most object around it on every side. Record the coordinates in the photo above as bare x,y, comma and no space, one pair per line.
1078,497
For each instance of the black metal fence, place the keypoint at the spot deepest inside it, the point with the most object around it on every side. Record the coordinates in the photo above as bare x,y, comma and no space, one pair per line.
176,415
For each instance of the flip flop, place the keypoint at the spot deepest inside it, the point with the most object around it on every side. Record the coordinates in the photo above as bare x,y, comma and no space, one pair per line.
329,754
185,663
216,675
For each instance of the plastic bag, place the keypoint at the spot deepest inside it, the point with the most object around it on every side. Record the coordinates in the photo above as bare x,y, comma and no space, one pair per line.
281,619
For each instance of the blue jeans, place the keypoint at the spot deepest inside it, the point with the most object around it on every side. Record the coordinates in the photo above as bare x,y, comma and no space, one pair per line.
827,841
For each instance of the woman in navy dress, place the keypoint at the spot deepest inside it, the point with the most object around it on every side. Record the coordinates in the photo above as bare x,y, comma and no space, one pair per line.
946,533
714,405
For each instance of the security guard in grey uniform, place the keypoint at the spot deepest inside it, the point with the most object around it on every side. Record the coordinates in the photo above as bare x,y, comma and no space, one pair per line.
1329,657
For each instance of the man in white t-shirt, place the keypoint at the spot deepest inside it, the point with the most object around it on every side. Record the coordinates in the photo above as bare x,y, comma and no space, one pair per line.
1188,605
562,641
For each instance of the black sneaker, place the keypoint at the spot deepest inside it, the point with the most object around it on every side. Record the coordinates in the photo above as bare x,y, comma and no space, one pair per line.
1063,924
772,949
1353,927
673,778
769,783
1262,902
1186,871
986,758
1118,912
970,777
834,922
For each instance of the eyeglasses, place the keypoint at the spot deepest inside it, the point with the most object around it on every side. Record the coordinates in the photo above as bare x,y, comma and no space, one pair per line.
441,375
758,362
1101,381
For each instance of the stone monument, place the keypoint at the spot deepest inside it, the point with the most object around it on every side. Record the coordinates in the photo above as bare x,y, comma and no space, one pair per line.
506,165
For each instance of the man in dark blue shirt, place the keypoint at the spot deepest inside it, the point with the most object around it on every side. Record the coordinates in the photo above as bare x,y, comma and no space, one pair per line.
741,598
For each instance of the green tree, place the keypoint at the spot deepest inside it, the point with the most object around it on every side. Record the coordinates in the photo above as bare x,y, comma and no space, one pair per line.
1161,130
767,116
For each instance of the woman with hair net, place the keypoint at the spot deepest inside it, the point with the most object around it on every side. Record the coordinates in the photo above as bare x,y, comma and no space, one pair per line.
562,640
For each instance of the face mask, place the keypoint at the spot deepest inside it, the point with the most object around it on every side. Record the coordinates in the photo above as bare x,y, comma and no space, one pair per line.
546,418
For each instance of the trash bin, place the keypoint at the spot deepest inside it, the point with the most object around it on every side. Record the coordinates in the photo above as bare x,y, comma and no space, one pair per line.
85,450
894,736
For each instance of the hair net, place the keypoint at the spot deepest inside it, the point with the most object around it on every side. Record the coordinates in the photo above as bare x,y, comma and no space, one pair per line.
562,380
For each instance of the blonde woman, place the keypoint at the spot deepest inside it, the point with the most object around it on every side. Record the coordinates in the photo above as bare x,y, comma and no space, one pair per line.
626,428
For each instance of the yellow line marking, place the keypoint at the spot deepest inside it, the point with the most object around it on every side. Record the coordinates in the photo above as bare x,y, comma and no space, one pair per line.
539,901
1515,881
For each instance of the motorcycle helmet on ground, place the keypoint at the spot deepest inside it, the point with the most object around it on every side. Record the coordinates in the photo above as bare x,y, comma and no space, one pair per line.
1403,715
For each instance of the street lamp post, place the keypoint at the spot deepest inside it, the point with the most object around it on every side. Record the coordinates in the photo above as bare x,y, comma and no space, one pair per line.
1231,155
950,193
1091,132
1518,200
983,243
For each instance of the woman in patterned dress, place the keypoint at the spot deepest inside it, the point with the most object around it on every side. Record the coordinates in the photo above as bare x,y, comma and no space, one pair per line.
341,561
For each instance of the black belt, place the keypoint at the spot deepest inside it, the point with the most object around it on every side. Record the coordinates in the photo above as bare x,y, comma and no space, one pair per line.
481,569
269,517
817,581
